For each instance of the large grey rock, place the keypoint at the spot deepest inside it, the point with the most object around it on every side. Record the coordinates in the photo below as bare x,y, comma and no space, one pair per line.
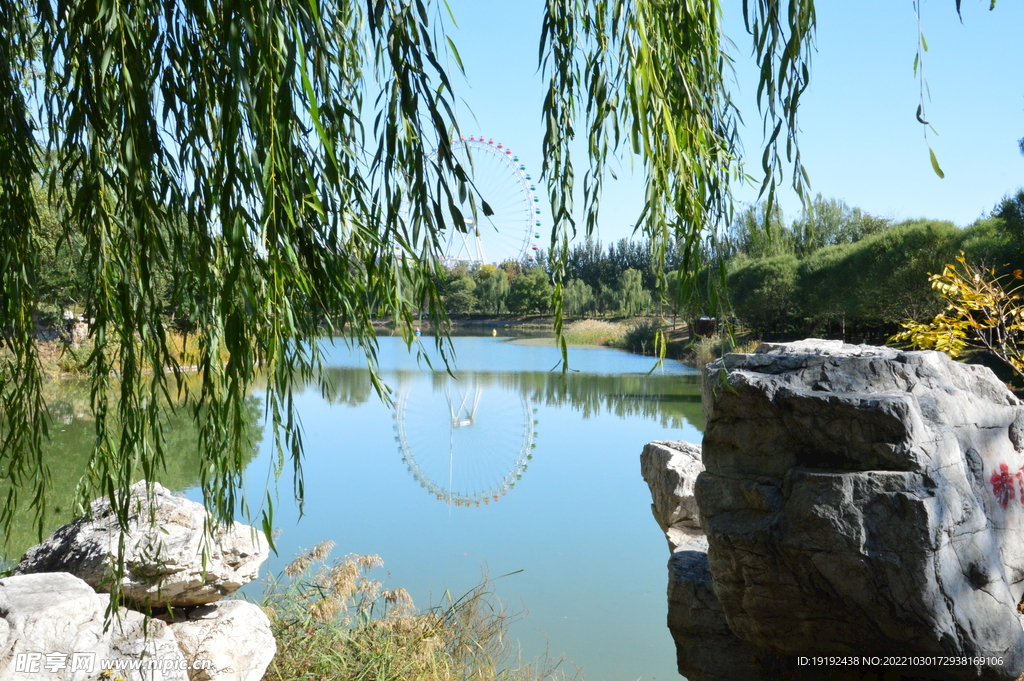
670,470
866,500
52,628
163,551
234,636
706,648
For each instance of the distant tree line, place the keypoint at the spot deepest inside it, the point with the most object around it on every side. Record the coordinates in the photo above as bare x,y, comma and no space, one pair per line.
835,271
617,281
839,272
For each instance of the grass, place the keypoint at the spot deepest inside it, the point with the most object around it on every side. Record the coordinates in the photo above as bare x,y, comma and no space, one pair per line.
594,332
332,621
59,360
709,348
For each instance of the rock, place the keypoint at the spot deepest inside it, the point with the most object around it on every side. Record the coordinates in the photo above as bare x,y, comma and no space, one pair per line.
706,648
51,613
670,470
864,500
77,332
153,642
234,635
51,627
163,551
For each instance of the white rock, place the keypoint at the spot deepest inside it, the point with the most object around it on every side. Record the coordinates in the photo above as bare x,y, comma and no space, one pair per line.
163,551
51,613
670,470
234,636
152,642
58,619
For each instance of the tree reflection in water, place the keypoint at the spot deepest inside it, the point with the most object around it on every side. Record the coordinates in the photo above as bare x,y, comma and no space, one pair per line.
468,438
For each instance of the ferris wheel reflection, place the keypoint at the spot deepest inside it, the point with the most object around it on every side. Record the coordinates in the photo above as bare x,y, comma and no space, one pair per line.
466,440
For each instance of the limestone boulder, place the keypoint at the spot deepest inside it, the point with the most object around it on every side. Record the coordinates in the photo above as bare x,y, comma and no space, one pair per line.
133,637
57,614
164,549
862,500
52,628
233,636
670,470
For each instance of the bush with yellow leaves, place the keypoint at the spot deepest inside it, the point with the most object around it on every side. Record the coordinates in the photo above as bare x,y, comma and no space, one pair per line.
983,310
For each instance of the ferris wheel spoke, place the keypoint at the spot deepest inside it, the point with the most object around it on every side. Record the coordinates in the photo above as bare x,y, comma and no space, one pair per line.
500,180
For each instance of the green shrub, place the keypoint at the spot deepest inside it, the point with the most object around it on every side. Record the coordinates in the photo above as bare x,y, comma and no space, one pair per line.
876,282
762,290
642,337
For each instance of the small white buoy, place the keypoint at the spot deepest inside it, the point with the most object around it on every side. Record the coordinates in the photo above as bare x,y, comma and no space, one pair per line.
494,332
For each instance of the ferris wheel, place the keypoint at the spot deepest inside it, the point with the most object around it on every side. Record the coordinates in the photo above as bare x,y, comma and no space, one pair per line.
464,442
509,230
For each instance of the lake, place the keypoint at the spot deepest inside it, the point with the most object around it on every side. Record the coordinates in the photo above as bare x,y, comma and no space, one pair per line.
506,467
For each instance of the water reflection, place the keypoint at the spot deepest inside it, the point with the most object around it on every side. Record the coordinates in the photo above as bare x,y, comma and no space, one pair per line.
68,452
466,440
468,437
673,401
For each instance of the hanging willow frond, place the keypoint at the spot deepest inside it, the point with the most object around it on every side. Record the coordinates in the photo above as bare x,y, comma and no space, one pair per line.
221,146
226,147
656,73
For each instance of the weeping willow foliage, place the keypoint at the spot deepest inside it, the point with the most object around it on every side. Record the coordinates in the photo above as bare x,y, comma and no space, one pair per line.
270,156
223,143
653,76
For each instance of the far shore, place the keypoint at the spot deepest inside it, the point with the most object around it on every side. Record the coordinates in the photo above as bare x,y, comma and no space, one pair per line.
60,361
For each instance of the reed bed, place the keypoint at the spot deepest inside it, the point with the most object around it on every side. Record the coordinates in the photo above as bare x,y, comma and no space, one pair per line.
334,622
594,332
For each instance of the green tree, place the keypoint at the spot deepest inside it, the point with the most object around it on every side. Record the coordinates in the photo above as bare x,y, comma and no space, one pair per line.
633,299
872,284
830,222
1011,211
577,298
458,290
758,231
459,298
491,288
530,292
221,145
61,274
763,290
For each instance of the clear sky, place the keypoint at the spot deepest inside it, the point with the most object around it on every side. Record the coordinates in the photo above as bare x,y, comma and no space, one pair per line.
859,136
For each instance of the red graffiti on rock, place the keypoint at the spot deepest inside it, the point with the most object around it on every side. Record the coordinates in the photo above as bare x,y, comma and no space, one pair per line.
1003,485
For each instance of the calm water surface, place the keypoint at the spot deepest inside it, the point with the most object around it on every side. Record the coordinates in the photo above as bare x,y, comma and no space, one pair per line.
508,466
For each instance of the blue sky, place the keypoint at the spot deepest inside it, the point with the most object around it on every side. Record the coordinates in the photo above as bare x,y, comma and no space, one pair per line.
859,136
